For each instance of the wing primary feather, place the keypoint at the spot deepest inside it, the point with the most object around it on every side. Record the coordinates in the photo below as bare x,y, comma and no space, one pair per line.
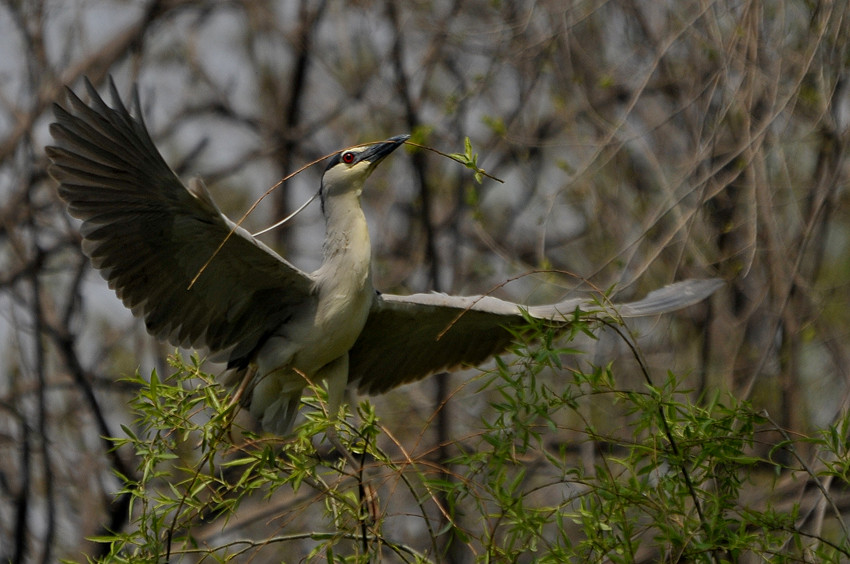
148,235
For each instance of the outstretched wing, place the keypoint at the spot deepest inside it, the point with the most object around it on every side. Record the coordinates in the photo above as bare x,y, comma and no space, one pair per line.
149,236
406,338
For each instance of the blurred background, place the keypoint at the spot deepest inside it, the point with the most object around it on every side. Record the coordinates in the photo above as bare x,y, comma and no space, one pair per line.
640,142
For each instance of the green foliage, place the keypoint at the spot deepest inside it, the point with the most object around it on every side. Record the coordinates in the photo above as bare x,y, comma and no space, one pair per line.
674,485
469,159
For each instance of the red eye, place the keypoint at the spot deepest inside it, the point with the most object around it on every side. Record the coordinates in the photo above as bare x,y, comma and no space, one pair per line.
348,157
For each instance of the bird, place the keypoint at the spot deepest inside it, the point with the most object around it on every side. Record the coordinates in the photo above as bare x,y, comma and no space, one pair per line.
149,235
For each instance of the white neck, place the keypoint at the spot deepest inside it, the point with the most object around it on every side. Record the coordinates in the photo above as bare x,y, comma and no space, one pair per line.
347,251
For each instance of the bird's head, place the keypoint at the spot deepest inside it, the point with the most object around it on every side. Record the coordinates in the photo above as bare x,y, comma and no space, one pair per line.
349,169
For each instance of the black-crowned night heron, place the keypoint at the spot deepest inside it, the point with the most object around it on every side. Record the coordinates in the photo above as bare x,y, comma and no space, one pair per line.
149,235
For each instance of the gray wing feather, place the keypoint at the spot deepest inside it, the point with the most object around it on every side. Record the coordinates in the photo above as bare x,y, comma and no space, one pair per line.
667,299
402,340
149,235
406,338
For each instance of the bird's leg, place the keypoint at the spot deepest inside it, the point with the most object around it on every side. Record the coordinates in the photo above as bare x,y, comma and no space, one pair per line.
244,384
333,437
335,378
334,375
235,400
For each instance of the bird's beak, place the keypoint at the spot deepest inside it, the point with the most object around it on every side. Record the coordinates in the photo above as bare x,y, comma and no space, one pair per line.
379,151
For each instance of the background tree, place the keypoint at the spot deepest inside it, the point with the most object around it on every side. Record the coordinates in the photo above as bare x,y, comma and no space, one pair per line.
640,142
